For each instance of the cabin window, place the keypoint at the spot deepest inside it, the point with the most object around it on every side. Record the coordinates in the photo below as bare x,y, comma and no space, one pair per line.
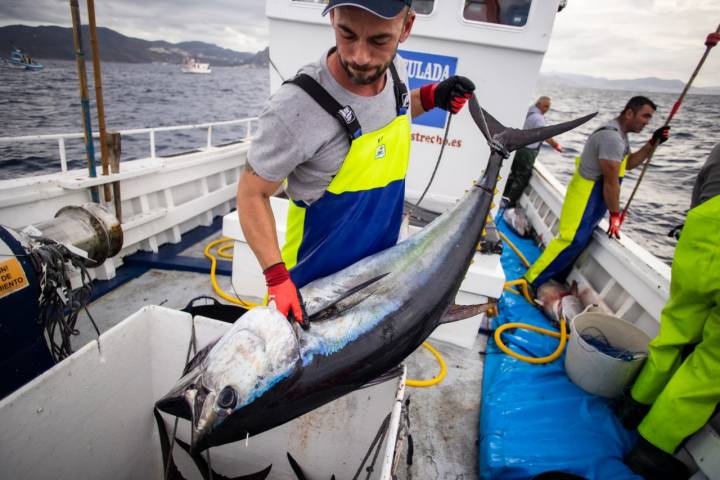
423,7
504,12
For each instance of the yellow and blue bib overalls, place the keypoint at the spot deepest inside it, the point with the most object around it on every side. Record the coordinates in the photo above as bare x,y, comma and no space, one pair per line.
361,210
582,210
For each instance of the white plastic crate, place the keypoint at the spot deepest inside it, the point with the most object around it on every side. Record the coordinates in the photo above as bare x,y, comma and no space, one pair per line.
91,415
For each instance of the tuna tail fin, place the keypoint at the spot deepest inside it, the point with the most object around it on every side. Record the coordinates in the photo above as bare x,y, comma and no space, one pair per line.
510,139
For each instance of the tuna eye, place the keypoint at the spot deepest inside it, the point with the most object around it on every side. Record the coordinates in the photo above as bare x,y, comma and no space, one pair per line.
227,398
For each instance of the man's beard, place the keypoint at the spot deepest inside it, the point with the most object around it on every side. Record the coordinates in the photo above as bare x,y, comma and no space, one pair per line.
364,74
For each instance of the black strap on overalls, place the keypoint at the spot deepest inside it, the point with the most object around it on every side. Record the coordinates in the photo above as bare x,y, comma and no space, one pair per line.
345,114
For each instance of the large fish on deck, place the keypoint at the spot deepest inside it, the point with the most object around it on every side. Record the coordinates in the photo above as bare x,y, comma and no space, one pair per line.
516,219
365,320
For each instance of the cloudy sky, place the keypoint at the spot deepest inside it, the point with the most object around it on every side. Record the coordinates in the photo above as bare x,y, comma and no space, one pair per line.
608,38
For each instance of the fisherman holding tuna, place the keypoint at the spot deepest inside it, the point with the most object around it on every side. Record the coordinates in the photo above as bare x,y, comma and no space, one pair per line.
595,188
337,137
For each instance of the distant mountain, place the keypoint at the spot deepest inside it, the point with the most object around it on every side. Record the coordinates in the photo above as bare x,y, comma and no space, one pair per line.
260,59
650,84
48,42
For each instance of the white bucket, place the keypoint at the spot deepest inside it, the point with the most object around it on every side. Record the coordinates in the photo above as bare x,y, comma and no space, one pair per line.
594,371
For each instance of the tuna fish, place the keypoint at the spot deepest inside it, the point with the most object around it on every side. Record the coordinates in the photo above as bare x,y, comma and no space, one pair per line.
518,222
558,301
365,320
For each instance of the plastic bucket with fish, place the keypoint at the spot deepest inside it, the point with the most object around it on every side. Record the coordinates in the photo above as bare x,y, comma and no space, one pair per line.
604,353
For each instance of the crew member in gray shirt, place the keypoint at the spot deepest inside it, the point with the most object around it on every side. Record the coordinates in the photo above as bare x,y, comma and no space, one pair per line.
595,189
524,160
337,136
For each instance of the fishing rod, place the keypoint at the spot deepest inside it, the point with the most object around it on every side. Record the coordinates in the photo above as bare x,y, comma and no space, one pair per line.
708,46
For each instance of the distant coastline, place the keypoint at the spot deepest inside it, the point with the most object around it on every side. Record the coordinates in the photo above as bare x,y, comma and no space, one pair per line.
649,84
52,42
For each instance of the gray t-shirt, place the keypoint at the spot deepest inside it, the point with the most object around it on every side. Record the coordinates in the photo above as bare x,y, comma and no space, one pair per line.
606,143
299,141
707,184
534,119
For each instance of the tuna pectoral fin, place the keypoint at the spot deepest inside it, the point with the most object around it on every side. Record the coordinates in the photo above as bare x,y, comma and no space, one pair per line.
461,312
349,298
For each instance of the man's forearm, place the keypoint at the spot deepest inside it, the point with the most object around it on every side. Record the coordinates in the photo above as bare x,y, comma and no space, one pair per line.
611,194
258,225
635,159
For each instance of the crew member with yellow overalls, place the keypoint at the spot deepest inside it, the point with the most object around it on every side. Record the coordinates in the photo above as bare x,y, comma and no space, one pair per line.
595,189
339,135
683,392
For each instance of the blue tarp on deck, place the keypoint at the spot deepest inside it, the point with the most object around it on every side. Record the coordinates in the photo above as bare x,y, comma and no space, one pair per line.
533,419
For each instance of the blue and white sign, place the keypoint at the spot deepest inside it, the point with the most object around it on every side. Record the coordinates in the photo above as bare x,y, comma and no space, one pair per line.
428,68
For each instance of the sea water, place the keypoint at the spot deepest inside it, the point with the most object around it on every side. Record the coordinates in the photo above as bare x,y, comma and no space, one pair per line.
153,95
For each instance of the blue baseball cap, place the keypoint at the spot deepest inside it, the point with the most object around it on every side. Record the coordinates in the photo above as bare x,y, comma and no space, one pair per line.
386,9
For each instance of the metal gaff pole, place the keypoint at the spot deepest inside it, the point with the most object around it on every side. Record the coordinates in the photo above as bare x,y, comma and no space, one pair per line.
84,100
98,94
674,110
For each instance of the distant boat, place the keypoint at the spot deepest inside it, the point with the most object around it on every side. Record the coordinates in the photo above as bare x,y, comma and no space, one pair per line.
190,65
22,61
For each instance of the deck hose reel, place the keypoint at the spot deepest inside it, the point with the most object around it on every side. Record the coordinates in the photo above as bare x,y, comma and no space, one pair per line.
45,283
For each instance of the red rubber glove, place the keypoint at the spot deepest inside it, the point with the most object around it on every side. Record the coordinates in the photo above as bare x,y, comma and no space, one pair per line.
558,147
712,39
451,94
616,220
283,292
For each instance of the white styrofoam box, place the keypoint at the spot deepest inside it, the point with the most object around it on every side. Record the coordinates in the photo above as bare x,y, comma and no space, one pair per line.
91,415
485,278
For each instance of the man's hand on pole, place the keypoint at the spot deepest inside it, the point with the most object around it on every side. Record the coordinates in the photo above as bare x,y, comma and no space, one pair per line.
660,135
616,220
557,147
450,94
284,294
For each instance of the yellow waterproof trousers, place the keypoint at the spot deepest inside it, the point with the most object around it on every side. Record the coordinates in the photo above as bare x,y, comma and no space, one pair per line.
684,394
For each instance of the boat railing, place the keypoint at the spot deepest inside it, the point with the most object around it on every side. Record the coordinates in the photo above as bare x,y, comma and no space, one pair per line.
62,137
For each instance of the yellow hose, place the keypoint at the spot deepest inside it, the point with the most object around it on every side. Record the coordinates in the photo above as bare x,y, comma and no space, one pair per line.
514,249
433,381
213,267
563,336
221,252
524,286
